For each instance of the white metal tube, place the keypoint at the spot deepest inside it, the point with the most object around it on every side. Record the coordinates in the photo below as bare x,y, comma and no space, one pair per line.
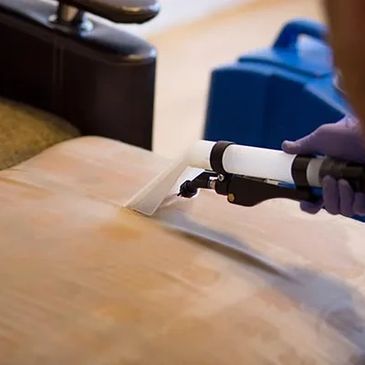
313,171
199,155
249,161
258,162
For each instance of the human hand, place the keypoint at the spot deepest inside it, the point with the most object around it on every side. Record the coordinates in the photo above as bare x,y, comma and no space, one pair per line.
343,140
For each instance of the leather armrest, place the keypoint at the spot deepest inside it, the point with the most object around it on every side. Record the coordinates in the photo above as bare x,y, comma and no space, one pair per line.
119,11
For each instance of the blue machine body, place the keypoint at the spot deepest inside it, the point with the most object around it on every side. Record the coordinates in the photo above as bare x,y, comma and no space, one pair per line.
279,93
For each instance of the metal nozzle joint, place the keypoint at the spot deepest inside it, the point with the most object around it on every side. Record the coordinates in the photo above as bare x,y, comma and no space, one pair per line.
188,190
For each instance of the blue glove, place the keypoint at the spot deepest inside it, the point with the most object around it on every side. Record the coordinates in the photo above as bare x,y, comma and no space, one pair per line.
343,140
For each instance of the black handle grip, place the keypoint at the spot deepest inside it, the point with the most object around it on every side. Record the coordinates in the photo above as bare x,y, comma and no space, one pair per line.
250,192
352,172
119,11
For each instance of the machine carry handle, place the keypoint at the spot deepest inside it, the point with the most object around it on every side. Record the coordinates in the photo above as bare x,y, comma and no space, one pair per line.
289,36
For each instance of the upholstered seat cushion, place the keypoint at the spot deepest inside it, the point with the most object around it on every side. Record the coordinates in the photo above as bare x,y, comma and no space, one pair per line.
84,281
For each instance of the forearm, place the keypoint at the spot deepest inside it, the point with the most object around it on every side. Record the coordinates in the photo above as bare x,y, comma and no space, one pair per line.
347,29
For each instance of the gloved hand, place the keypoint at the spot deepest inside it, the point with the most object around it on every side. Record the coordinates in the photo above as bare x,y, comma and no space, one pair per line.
343,140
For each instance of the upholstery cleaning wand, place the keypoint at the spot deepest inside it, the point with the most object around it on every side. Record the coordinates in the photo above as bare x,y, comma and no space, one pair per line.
246,175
